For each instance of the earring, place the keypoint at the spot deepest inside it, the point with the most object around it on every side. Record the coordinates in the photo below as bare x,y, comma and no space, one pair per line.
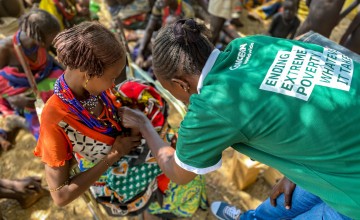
186,89
86,82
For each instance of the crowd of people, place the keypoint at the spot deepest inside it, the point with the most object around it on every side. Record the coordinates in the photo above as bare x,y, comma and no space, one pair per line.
289,104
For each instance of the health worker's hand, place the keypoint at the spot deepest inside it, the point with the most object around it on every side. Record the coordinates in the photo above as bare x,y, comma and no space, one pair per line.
132,118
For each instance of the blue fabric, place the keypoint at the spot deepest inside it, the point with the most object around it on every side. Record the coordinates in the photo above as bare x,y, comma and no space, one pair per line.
32,122
304,206
20,82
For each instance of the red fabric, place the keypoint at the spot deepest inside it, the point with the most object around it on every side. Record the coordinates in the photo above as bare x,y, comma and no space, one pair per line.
133,19
41,57
163,182
145,98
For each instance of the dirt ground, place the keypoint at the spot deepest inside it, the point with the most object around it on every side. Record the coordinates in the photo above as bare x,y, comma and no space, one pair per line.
20,162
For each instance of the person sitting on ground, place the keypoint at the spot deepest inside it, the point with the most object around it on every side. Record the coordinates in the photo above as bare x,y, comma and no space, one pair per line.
37,30
288,104
163,12
26,191
284,24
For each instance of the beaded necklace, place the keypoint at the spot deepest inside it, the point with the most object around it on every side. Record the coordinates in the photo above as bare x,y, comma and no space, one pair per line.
90,103
62,90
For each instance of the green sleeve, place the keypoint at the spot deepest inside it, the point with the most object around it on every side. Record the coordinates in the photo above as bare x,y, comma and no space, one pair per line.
203,135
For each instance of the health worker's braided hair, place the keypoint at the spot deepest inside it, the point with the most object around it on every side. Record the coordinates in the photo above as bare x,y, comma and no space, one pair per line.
90,47
185,45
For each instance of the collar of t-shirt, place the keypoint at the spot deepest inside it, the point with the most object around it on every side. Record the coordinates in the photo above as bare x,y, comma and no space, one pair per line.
208,65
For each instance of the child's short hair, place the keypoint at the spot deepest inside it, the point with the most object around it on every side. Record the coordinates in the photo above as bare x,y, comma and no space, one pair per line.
89,46
38,23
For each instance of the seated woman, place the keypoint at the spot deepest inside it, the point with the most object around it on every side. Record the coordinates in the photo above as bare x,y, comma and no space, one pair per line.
285,23
37,30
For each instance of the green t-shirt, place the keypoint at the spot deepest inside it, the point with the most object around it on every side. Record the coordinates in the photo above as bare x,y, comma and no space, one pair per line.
292,105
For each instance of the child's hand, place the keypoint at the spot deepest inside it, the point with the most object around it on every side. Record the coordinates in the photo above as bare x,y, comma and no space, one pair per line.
123,145
284,186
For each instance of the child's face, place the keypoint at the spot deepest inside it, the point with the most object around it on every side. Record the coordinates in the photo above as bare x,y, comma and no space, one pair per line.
97,85
289,10
82,7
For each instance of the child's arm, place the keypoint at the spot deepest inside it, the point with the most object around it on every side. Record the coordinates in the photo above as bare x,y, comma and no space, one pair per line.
64,190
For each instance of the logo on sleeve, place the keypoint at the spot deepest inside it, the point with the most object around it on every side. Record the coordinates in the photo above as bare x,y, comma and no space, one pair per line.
243,56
